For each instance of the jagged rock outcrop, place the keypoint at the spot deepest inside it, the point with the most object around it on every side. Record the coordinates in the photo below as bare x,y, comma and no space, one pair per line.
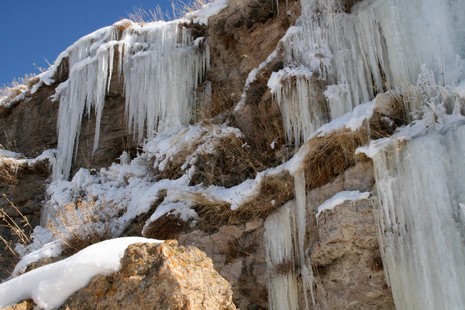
157,276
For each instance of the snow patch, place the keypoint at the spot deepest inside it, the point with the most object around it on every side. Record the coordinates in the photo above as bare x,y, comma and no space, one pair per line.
49,286
341,198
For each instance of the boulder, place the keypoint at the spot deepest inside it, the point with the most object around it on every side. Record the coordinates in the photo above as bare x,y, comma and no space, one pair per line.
157,276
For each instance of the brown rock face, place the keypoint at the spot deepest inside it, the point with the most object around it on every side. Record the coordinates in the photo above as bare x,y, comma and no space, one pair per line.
157,276
344,247
25,305
238,253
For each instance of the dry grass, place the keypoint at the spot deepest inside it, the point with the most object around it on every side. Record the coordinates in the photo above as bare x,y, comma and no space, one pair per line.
331,155
166,227
8,170
18,86
245,245
179,8
232,163
273,192
20,230
80,225
213,214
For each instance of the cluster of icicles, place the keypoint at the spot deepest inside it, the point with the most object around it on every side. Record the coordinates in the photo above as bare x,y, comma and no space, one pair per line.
161,65
378,46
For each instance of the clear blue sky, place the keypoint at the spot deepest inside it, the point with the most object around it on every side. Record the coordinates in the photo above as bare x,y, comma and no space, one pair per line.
32,31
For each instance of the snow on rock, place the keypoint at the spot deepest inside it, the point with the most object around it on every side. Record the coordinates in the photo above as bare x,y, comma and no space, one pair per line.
339,199
201,16
51,249
49,286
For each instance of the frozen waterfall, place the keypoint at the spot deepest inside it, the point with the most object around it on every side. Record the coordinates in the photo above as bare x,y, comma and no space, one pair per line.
422,220
161,64
357,52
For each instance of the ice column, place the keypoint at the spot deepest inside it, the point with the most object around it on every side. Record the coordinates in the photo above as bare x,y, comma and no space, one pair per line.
283,287
290,276
421,220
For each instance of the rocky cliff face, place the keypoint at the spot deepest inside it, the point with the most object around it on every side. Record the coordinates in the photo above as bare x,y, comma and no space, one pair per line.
344,251
255,178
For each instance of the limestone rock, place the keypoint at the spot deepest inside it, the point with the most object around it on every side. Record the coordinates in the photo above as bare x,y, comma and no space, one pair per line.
25,305
157,276
238,254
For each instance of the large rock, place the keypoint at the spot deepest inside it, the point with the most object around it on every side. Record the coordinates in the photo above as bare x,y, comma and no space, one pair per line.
238,253
157,276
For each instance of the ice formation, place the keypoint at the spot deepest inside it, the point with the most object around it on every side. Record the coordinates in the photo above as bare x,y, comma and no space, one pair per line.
161,63
422,220
379,46
285,235
283,286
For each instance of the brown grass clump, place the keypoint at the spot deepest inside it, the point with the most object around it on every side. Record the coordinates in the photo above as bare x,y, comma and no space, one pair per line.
245,245
166,227
80,225
273,192
331,155
123,24
213,214
231,164
8,170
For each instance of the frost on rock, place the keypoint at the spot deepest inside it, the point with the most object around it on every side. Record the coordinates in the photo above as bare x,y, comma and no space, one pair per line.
161,66
420,188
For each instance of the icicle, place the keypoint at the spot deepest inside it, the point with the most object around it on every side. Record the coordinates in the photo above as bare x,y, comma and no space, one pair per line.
85,89
421,224
301,106
301,224
161,73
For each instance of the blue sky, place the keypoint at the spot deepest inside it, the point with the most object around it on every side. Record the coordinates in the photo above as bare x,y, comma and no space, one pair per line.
36,31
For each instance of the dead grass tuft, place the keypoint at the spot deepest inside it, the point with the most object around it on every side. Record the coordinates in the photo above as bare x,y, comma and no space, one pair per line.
331,155
213,214
123,24
245,245
19,229
10,168
284,268
273,192
80,225
230,164
166,227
